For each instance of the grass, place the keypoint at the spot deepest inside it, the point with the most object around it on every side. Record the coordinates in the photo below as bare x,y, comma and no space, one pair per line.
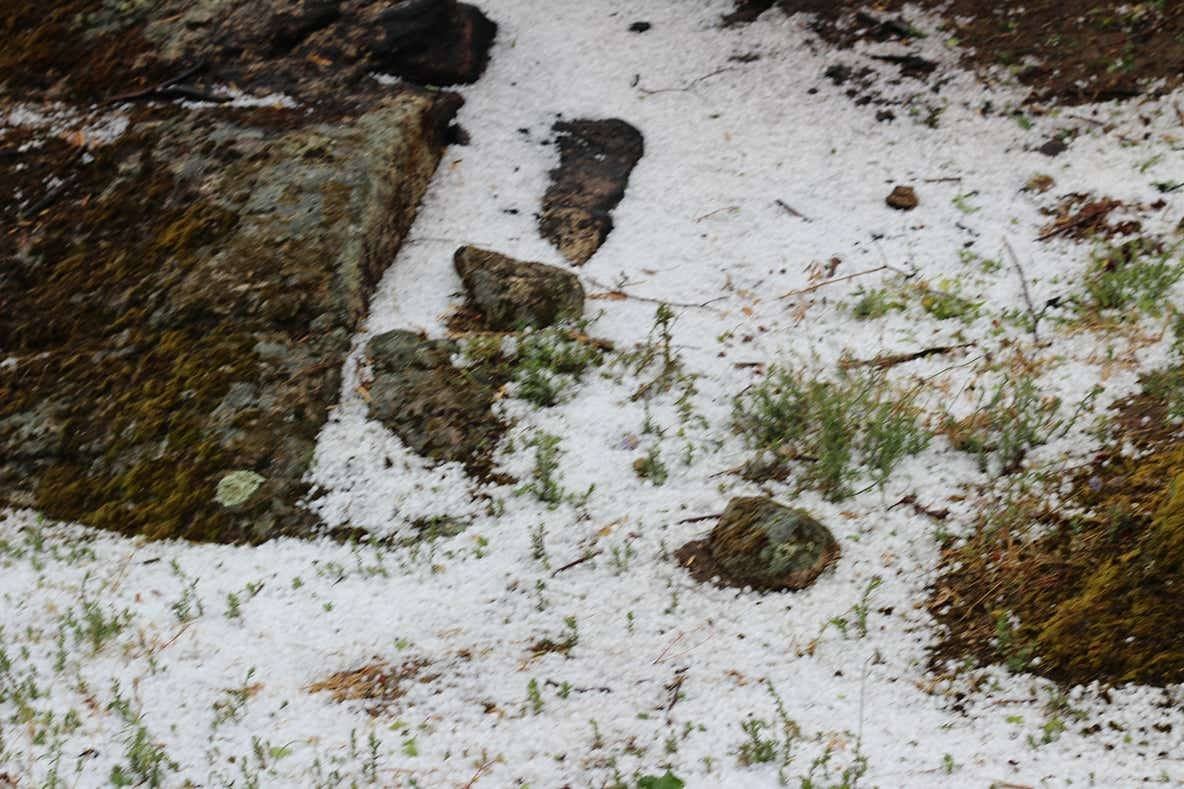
1010,420
833,432
1137,274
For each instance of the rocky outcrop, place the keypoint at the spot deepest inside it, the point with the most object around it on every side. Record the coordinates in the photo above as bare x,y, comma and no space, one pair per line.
512,294
761,544
438,410
173,321
595,160
311,49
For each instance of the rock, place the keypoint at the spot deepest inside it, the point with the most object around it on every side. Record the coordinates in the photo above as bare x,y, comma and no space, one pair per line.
434,42
639,27
1053,147
762,544
511,294
595,160
319,50
189,329
903,198
438,410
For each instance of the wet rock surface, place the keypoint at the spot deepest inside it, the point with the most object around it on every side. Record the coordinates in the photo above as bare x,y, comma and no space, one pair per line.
512,294
173,321
94,49
437,409
761,544
595,160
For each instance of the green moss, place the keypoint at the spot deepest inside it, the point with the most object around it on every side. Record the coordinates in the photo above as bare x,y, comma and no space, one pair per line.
1095,598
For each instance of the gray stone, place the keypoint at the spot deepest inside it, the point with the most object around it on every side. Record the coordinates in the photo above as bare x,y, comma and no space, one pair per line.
438,410
512,294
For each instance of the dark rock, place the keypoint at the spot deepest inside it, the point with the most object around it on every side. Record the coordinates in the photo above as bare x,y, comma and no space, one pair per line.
433,42
438,410
762,544
903,198
595,160
171,358
513,294
314,49
639,27
1054,147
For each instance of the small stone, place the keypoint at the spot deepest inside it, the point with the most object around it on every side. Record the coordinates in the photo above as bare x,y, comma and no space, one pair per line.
1054,147
903,198
639,27
237,487
512,294
761,544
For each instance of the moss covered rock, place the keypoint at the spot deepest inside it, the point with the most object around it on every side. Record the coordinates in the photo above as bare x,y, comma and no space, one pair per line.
762,544
178,314
512,294
440,411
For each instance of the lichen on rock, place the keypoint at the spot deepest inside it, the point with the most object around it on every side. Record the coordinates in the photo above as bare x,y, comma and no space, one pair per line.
761,544
513,294
194,319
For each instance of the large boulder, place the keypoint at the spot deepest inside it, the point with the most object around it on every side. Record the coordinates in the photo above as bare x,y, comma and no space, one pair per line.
595,160
761,544
512,294
174,318
312,49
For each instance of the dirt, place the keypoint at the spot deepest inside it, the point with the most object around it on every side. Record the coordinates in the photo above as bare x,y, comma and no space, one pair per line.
1066,51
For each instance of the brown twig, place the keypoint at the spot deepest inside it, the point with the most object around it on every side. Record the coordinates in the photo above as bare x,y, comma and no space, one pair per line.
791,210
884,361
1024,285
160,89
844,278
921,509
576,562
673,688
699,518
685,88
616,294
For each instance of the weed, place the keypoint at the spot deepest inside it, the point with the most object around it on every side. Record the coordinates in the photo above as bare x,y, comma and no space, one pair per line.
834,430
1010,421
1136,274
534,697
550,361
1017,655
543,483
651,467
876,303
538,547
947,304
145,762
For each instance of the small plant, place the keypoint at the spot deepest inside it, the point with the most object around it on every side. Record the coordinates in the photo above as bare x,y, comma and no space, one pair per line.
834,431
757,749
877,303
549,361
544,484
534,697
1137,274
538,546
1016,654
651,467
1012,420
145,762
947,304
